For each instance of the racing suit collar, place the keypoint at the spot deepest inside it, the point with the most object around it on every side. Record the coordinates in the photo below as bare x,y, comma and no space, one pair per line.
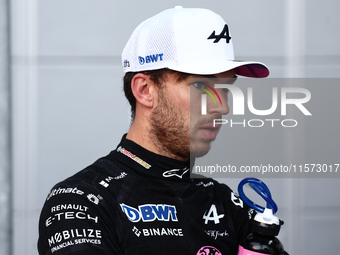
151,164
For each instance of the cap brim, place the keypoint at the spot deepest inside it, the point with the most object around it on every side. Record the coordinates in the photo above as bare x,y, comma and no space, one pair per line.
243,68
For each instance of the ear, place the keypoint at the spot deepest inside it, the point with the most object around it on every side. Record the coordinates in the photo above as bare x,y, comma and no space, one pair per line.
143,89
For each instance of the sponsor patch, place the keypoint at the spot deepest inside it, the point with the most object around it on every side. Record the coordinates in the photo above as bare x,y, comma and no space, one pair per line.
150,58
176,172
212,215
133,157
70,237
150,212
208,250
215,233
59,191
107,180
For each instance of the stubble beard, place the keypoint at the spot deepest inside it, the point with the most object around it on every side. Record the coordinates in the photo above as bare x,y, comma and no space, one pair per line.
170,129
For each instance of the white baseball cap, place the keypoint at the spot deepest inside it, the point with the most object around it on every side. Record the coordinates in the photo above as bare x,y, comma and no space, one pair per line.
188,40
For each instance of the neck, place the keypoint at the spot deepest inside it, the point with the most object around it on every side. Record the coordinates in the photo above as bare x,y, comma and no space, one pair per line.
139,133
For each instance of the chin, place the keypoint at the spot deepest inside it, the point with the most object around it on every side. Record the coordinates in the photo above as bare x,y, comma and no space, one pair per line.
199,151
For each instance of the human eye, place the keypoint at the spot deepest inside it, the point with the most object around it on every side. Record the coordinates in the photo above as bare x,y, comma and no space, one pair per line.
200,85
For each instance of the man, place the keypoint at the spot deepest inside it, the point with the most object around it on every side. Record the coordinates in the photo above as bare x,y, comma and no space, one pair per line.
140,198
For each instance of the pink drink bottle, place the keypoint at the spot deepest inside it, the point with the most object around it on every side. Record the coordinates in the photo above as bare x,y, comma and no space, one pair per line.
263,239
265,226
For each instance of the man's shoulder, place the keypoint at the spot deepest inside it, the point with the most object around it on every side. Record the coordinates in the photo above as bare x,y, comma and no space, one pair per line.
103,178
84,205
212,184
225,196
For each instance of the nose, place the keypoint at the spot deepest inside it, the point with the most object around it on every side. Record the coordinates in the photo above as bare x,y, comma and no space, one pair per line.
219,105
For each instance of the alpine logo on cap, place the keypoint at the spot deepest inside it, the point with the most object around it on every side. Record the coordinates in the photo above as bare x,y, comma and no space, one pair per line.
224,34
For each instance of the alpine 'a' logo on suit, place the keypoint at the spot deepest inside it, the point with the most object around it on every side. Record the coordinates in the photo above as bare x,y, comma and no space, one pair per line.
212,215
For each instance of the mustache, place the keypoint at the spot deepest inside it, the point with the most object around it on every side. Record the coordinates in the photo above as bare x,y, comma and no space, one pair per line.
205,120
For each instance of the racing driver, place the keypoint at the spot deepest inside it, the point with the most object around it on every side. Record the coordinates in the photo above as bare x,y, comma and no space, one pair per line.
140,198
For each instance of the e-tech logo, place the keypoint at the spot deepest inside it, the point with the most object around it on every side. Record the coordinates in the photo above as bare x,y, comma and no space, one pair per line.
150,58
239,106
150,212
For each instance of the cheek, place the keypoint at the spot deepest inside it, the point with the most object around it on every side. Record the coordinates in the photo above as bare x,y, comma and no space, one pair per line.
195,100
182,99
195,108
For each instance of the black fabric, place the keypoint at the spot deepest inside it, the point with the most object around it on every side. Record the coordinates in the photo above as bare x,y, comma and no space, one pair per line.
133,201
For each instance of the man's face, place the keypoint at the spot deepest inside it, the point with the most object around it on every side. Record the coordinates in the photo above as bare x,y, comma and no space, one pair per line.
179,131
202,129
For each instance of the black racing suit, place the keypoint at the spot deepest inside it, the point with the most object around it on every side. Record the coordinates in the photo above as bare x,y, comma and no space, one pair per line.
136,202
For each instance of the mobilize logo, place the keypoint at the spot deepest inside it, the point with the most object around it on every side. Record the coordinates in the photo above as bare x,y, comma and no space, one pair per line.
150,212
239,105
73,237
